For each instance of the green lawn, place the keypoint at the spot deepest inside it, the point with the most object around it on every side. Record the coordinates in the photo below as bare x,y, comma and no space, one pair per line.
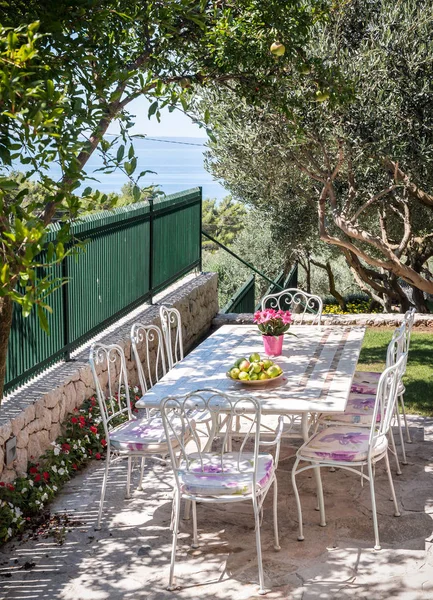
419,375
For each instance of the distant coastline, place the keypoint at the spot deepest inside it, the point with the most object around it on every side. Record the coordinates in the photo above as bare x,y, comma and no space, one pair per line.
177,166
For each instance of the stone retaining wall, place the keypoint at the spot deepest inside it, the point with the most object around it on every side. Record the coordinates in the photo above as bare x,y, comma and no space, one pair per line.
35,414
368,320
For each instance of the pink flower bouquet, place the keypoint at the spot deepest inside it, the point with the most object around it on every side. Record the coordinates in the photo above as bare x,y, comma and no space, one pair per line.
273,322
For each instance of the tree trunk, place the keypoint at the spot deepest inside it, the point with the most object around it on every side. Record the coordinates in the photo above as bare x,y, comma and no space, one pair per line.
6,310
331,281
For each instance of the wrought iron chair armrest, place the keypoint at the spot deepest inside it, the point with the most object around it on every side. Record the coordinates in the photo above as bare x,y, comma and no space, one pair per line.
278,432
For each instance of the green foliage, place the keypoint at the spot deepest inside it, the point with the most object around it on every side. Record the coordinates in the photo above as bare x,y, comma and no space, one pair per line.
361,106
222,221
255,244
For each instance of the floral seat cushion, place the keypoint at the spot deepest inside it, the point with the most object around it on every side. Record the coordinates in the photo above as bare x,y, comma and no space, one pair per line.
365,382
359,411
214,478
142,435
342,444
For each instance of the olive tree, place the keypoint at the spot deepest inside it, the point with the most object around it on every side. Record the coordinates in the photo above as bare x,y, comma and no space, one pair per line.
344,155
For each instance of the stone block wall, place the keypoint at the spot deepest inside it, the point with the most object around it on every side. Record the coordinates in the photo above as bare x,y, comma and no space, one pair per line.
36,412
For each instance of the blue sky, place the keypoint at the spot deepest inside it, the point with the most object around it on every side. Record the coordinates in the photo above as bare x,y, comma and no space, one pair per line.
174,124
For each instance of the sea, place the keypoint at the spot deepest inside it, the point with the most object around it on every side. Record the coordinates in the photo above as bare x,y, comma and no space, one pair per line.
177,164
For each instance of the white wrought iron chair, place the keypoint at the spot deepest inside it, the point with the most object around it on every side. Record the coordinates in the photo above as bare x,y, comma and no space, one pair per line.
125,438
300,303
171,325
204,477
360,407
152,366
365,382
351,448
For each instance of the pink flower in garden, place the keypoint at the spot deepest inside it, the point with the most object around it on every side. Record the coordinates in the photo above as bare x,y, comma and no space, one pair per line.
33,470
104,442
98,456
74,466
37,477
2,483
66,447
94,429
46,475
74,420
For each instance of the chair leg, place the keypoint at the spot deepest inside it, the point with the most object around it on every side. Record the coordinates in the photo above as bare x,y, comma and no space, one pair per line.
140,483
403,410
400,433
394,451
176,501
391,485
104,487
298,501
128,479
373,506
187,511
262,589
276,537
194,525
320,496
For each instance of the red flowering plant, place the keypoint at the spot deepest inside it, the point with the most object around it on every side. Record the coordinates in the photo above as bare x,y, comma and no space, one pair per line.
273,322
82,440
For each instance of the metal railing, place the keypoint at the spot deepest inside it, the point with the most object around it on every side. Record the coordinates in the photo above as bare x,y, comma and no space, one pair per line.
244,299
130,254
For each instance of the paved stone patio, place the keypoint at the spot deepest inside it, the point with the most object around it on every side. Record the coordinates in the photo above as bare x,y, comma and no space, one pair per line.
129,558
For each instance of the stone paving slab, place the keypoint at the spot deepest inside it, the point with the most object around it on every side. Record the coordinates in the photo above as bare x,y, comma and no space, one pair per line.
129,558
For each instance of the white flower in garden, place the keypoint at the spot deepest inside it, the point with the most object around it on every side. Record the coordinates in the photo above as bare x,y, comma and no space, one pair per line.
24,490
74,447
84,455
18,511
63,463
56,451
31,482
136,389
97,436
9,532
54,469
38,502
44,497
62,471
54,488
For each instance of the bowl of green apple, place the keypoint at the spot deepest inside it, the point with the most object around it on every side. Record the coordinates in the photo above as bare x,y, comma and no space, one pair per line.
254,370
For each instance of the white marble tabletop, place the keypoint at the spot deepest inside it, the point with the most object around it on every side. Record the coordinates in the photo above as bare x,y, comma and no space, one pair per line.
318,367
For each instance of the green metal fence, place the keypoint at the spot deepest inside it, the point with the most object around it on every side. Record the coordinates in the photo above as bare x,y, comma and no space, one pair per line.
130,254
244,299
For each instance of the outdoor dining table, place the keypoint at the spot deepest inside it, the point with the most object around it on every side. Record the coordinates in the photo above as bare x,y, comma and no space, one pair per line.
318,364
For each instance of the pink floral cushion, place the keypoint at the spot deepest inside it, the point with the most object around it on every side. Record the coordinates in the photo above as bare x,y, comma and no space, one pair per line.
212,479
359,411
342,444
365,382
142,435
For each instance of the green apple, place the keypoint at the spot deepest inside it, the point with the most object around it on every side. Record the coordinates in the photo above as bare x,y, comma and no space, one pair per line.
244,365
256,368
234,373
255,357
243,376
254,377
263,375
278,49
267,363
273,371
239,361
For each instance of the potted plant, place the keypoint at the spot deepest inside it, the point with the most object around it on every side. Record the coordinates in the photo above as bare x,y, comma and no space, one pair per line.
273,324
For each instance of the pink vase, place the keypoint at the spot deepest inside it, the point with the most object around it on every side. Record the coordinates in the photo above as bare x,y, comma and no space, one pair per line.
273,344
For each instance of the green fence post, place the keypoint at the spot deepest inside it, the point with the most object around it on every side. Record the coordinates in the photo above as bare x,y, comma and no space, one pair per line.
65,299
151,224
